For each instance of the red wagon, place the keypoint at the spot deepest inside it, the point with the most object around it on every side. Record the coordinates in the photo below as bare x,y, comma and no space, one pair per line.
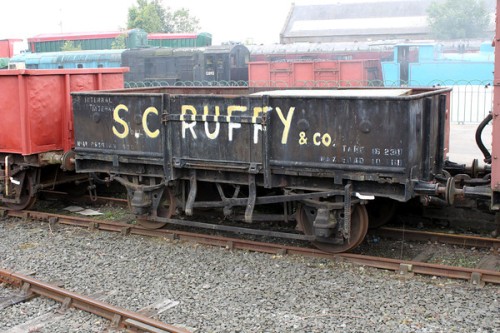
36,127
333,73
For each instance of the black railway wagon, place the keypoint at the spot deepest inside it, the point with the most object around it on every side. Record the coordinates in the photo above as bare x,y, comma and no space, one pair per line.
320,154
180,65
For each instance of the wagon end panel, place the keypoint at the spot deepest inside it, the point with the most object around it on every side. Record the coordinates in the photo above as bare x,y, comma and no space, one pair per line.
32,108
118,133
100,79
13,123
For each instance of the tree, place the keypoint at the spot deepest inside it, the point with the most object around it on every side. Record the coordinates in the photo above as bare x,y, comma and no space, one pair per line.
453,19
151,16
120,42
70,46
180,21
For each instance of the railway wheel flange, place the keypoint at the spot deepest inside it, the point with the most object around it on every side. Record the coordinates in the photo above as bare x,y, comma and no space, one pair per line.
25,191
166,208
449,193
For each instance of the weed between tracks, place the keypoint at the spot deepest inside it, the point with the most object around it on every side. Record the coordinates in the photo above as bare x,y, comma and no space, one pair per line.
108,212
435,253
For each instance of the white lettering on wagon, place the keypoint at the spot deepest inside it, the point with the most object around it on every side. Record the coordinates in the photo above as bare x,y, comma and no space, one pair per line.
95,144
336,152
355,155
97,100
190,124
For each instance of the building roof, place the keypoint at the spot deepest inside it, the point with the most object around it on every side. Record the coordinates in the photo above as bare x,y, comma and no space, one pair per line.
76,36
359,20
161,35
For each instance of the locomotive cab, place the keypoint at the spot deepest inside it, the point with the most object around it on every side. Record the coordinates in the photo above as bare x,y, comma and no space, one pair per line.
226,63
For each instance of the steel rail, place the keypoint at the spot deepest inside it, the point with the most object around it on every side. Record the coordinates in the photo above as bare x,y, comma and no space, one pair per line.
117,316
476,276
389,232
454,239
393,233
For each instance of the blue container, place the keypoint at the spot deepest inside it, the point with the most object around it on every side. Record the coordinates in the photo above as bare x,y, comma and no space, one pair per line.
69,59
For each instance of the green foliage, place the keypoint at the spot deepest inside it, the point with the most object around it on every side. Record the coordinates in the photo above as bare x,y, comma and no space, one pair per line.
70,46
147,15
120,42
4,62
151,16
458,19
180,21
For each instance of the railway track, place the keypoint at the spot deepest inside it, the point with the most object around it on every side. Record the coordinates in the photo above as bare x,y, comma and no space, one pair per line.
487,273
386,232
453,239
119,318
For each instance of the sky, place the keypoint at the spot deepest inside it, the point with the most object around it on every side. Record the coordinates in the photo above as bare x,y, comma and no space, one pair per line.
257,21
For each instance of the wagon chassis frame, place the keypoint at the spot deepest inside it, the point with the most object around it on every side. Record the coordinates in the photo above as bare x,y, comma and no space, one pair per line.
145,201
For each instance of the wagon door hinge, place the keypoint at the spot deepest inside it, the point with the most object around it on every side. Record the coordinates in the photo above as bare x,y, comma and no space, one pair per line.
193,189
178,162
92,191
252,198
164,117
7,176
347,212
253,168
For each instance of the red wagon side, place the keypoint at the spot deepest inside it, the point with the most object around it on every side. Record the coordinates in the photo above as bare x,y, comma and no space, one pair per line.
333,73
36,127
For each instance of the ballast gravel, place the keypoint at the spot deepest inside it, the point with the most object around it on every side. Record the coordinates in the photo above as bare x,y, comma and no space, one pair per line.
211,289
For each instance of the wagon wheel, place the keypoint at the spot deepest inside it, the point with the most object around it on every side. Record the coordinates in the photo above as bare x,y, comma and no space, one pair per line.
166,209
381,211
359,228
27,197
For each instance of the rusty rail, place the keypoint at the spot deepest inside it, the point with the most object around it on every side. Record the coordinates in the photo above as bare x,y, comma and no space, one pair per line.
475,276
119,317
454,239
